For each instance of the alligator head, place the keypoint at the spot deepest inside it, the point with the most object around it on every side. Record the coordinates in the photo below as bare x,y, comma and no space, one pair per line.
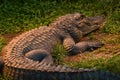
89,24
79,21
78,25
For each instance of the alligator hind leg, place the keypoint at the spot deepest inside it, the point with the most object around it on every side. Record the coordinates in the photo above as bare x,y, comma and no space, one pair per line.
80,47
40,55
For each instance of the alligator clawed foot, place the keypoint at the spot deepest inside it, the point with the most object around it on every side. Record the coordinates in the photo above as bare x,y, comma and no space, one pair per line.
94,45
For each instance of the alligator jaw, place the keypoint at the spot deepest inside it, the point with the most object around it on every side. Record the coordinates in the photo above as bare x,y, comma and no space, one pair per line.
93,28
90,24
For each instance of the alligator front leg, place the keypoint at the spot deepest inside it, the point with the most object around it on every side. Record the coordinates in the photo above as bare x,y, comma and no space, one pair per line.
80,47
85,46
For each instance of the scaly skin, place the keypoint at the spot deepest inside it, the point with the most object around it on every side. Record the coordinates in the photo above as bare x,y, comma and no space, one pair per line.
28,56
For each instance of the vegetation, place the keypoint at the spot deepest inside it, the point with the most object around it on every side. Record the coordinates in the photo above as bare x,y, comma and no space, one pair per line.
59,53
109,64
4,77
17,16
22,15
2,42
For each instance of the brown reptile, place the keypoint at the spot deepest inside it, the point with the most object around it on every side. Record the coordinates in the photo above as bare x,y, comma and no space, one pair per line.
28,56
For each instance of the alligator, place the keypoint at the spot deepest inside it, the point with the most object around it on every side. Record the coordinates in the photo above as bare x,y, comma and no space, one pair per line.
29,56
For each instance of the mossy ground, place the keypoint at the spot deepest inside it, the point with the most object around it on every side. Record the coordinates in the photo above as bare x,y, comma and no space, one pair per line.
17,16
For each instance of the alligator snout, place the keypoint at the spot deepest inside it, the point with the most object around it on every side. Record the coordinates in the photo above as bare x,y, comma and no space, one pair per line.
90,24
98,20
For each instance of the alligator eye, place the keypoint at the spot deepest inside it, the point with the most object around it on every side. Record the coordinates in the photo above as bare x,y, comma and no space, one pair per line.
96,23
80,17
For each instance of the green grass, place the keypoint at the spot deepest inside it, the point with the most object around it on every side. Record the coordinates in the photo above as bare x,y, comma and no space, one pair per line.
2,42
112,64
108,64
113,39
17,16
4,77
58,54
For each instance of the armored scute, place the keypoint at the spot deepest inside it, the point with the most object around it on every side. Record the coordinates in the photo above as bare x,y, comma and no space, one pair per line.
28,56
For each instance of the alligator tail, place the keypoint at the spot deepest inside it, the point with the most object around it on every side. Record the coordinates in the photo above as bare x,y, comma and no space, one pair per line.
51,72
